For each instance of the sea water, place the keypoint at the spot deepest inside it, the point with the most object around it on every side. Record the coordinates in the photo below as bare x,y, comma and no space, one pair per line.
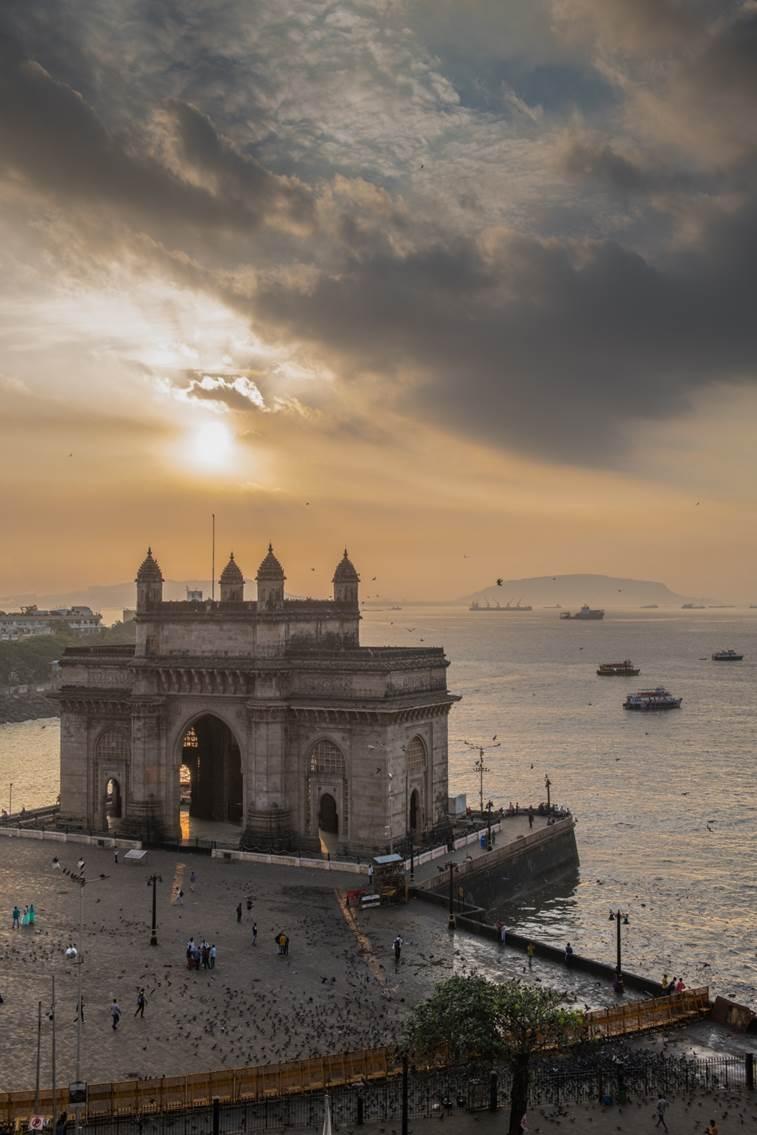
666,802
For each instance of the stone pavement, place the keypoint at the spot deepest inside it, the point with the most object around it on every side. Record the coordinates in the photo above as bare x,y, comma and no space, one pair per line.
255,1007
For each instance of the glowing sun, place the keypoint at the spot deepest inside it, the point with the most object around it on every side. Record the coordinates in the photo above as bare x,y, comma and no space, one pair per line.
211,445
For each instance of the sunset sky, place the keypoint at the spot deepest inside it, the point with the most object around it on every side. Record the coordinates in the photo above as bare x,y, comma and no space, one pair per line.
469,285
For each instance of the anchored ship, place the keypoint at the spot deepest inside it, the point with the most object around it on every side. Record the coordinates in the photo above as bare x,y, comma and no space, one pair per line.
727,656
496,607
586,612
659,698
624,669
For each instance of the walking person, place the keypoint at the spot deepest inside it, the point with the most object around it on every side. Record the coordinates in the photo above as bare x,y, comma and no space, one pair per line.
213,956
254,933
115,856
239,912
192,881
115,1013
397,946
370,876
179,900
662,1107
568,954
530,818
530,950
16,916
140,1010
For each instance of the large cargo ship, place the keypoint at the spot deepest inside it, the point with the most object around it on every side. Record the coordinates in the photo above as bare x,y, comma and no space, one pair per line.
497,607
586,612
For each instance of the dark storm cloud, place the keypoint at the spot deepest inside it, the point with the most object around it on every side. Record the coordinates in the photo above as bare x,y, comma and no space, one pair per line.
541,346
52,138
556,346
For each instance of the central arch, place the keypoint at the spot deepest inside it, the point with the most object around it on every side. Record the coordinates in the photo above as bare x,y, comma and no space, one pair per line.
212,782
328,817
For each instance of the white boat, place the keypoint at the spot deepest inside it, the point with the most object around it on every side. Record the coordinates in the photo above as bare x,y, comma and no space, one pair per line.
658,698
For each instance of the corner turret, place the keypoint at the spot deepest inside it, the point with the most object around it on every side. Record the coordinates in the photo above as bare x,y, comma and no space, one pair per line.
232,582
346,581
149,583
270,581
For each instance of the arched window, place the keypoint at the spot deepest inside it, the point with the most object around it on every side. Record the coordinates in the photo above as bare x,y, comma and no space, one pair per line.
325,757
416,755
113,745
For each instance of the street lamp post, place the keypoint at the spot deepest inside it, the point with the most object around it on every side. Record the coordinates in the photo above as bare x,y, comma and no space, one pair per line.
10,799
618,917
489,807
548,785
153,882
451,921
480,768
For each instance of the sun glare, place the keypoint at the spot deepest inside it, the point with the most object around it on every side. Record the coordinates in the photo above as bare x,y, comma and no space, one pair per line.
211,445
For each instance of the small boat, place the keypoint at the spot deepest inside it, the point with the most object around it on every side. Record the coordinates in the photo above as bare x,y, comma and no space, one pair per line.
645,700
727,656
649,606
624,669
693,607
586,612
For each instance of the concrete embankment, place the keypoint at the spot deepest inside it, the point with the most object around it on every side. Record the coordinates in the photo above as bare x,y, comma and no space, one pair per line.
16,707
522,866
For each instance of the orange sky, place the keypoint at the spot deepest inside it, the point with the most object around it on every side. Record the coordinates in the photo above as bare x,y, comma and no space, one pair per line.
467,288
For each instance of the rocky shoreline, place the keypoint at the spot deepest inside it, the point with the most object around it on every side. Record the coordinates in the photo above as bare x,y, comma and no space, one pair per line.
25,707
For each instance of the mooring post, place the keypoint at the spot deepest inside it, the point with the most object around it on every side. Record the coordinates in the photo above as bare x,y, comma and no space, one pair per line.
749,1069
216,1115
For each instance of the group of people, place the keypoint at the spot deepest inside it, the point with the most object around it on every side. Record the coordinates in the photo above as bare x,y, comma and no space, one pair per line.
672,985
201,954
115,1009
28,918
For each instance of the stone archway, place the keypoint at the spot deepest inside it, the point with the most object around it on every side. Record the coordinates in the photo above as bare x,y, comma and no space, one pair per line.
328,817
211,754
114,806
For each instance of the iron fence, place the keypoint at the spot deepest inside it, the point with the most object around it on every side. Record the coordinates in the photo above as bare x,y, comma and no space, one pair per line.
598,1074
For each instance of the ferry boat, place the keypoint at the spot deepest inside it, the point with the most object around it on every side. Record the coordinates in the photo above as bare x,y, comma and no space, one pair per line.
693,607
507,607
727,656
624,669
586,612
659,698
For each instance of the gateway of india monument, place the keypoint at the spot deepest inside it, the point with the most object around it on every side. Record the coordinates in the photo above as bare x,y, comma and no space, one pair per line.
286,726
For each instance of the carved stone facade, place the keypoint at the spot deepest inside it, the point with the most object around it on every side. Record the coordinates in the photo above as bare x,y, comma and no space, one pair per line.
284,723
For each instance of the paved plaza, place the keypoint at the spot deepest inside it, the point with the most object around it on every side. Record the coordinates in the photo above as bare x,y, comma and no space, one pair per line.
337,990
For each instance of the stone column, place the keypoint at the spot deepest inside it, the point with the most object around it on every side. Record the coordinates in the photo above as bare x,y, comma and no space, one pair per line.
150,811
268,815
74,765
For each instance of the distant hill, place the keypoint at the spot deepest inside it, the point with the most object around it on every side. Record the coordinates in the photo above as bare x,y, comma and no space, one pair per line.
573,590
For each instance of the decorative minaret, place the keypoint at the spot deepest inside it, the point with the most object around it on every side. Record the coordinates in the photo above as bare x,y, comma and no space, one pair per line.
270,581
232,582
346,581
149,583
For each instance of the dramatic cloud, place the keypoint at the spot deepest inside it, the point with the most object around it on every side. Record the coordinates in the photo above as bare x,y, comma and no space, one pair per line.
533,226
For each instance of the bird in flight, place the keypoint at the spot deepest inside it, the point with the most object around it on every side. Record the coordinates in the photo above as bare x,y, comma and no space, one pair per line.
499,583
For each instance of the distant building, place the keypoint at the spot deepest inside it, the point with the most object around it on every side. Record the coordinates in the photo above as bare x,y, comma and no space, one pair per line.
31,621
265,713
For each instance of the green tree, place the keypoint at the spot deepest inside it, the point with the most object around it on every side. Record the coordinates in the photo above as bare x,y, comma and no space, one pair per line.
475,1019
